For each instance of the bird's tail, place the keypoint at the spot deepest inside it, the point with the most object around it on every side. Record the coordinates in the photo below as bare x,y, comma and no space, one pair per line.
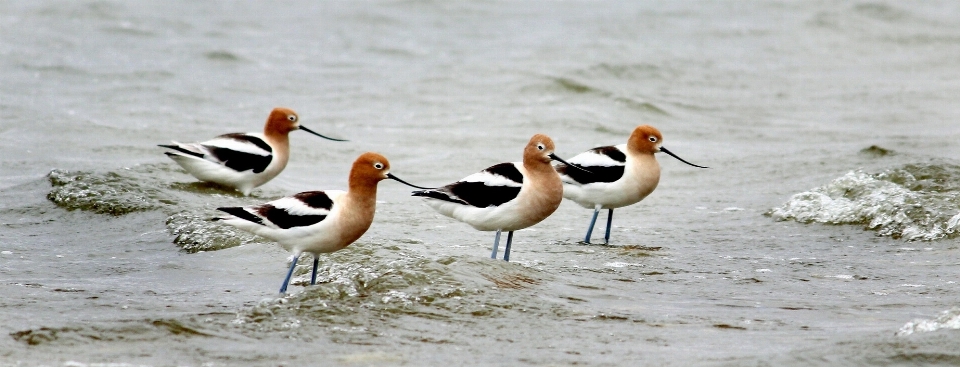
242,213
181,150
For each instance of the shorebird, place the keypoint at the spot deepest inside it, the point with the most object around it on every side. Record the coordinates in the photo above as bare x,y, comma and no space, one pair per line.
504,197
618,176
318,222
242,161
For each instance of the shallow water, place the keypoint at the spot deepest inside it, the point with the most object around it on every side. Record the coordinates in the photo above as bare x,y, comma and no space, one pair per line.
824,234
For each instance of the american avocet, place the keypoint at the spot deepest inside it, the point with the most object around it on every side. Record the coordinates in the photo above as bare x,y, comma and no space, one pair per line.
618,175
242,161
318,221
506,196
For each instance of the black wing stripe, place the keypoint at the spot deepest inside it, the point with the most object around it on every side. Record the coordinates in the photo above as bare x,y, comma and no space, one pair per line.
249,139
315,199
480,195
242,214
281,218
439,196
612,152
508,170
596,174
240,161
181,150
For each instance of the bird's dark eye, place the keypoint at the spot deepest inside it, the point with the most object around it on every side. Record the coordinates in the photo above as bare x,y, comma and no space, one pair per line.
292,118
378,165
540,146
653,139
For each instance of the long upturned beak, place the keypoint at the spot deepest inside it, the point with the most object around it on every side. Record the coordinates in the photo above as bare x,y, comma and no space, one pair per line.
304,128
662,149
391,176
558,159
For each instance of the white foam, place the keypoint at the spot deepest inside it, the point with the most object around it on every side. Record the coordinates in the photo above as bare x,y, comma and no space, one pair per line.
953,222
885,206
949,319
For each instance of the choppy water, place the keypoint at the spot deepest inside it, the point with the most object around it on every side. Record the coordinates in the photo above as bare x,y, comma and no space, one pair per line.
825,234
914,202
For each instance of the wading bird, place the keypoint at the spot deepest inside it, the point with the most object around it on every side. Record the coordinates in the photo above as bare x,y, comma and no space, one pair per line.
318,222
506,196
242,161
611,177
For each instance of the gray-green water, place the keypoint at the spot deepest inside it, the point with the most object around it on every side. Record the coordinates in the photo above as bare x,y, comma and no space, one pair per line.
824,234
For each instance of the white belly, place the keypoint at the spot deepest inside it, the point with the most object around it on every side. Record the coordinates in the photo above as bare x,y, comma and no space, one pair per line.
640,178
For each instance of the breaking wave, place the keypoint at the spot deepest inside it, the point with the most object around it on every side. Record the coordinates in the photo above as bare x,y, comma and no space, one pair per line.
913,202
149,187
949,319
369,284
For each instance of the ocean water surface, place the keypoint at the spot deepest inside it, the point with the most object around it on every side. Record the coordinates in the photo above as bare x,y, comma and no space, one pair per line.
825,233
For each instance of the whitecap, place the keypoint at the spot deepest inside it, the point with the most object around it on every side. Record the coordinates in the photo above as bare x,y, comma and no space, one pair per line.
949,319
914,202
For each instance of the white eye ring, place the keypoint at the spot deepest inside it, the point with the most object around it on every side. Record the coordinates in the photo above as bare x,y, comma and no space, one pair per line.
292,118
378,165
540,146
653,139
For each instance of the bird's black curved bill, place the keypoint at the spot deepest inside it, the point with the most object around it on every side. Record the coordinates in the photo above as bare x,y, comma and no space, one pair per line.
304,128
662,149
558,159
391,176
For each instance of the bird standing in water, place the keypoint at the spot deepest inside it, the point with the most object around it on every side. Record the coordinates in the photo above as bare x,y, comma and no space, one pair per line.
506,196
242,161
318,222
618,175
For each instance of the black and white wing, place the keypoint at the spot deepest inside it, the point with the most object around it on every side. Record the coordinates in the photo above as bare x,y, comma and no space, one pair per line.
300,210
606,164
239,152
493,186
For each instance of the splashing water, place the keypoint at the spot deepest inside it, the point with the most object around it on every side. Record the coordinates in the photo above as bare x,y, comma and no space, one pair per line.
949,319
115,193
195,233
148,187
360,286
914,202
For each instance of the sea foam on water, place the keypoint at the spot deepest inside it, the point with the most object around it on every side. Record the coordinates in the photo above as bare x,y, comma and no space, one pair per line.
914,202
949,319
